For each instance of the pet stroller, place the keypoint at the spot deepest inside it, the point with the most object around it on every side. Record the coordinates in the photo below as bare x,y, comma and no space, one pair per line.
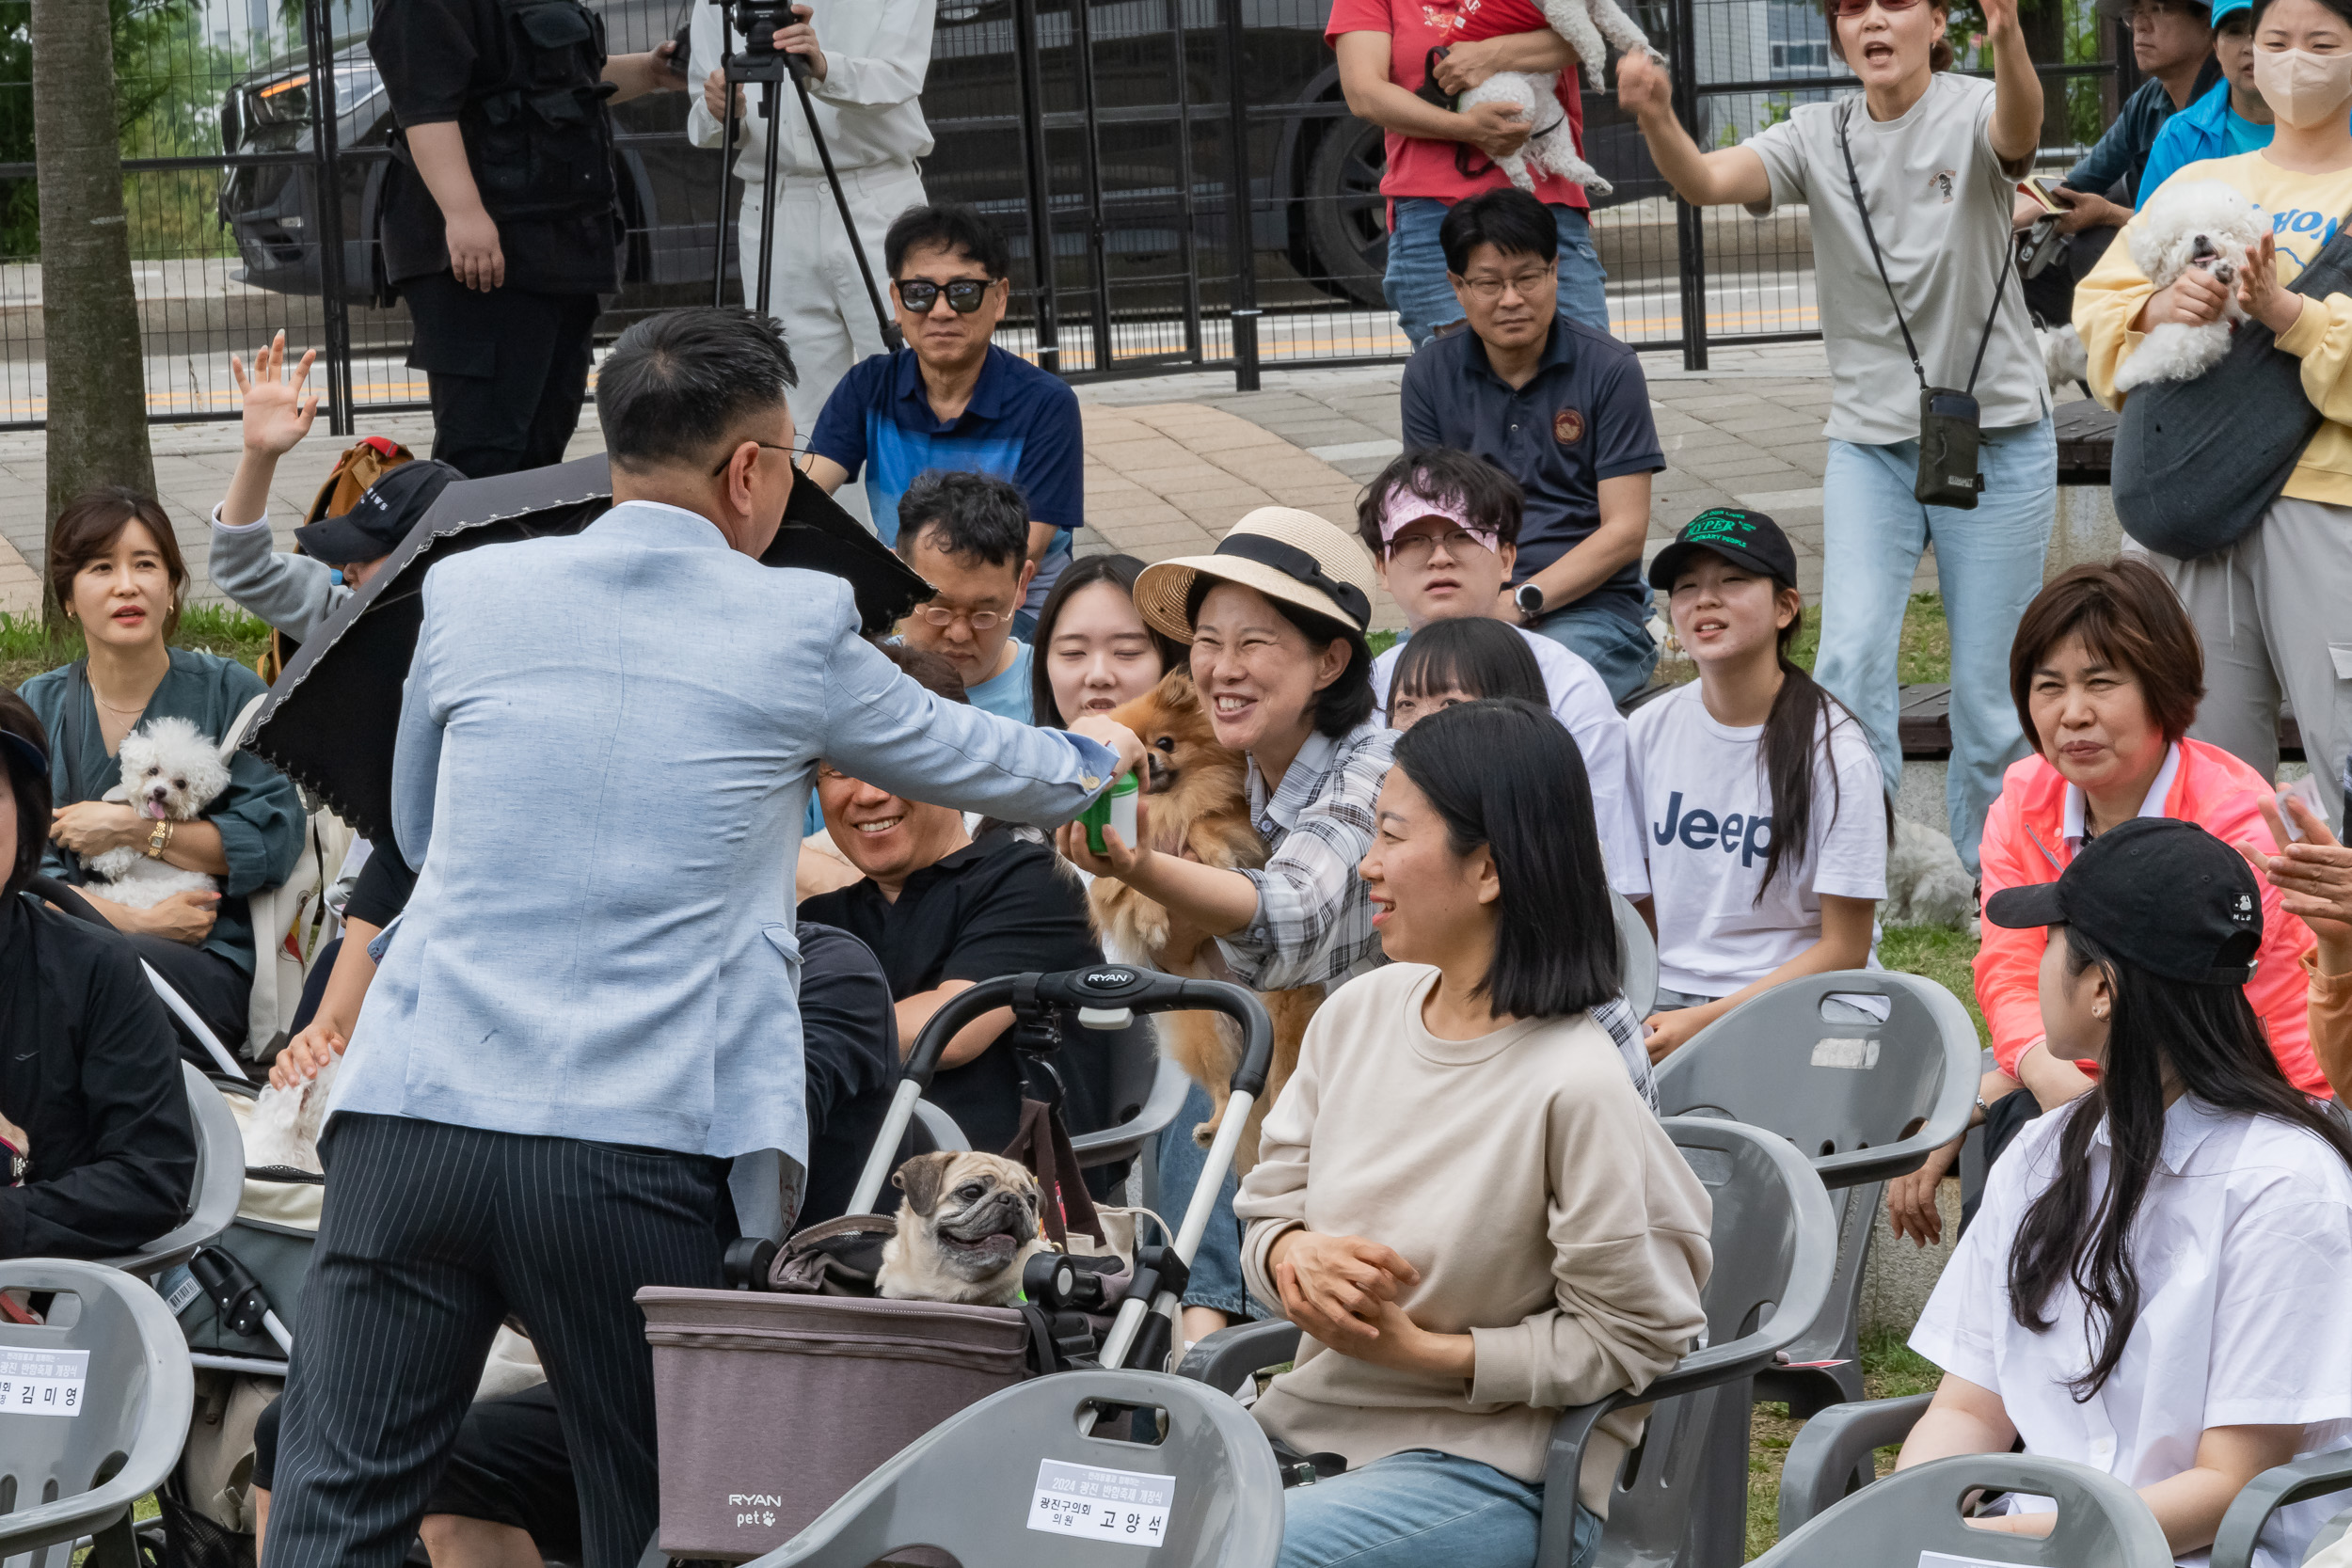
771,1406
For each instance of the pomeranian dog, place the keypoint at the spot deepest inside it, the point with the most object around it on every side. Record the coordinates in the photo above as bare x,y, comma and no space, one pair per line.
2191,223
1198,805
170,772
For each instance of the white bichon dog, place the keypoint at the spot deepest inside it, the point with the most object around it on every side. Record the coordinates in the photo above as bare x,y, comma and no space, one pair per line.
1552,148
284,1126
2192,223
170,772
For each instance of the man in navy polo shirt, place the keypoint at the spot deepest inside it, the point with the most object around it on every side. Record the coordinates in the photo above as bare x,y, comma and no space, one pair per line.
951,399
1561,408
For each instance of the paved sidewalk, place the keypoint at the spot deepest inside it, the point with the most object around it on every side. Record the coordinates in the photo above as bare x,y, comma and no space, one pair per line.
1171,461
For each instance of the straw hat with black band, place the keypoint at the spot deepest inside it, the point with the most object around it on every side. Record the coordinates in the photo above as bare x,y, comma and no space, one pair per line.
1293,558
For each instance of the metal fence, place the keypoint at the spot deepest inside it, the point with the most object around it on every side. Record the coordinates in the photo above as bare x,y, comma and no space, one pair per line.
1188,167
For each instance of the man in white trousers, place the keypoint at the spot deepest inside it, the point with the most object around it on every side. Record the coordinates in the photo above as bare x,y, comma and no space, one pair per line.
866,79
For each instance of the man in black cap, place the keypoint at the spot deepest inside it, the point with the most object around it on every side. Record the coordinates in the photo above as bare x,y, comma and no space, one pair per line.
295,593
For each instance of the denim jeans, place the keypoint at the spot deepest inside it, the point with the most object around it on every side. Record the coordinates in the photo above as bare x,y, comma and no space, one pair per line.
1621,651
1216,1268
1988,563
1423,301
1420,1508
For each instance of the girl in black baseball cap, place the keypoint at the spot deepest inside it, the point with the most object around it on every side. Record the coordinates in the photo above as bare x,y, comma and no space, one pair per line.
2154,1285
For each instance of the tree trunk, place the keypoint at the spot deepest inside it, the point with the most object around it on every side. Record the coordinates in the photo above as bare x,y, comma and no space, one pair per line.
97,415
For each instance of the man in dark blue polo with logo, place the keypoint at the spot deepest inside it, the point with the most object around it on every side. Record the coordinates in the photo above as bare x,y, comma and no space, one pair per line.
951,399
1561,408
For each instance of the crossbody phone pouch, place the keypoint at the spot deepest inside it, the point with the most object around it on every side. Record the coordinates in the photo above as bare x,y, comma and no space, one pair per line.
1950,430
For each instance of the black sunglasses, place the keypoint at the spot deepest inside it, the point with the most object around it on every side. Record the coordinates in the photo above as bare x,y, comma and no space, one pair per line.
964,294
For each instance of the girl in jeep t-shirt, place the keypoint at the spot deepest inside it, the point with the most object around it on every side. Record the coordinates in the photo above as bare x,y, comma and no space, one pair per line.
1765,814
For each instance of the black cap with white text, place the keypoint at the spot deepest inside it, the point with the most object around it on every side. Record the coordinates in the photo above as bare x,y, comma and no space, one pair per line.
2154,892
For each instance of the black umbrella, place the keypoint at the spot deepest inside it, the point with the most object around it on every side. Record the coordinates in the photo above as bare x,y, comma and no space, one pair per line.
334,713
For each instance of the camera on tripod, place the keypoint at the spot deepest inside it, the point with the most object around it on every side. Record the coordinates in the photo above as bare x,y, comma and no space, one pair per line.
762,61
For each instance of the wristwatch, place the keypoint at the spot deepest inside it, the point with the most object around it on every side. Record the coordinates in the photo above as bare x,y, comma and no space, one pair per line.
1530,600
156,840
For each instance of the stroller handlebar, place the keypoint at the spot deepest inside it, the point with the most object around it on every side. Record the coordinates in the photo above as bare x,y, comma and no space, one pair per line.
1103,993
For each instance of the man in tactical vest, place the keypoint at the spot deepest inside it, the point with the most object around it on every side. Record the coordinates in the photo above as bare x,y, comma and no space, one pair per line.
501,225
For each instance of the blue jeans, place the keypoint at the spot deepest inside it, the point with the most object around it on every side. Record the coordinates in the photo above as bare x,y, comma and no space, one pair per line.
1420,1508
1620,650
1423,301
1988,563
1216,1267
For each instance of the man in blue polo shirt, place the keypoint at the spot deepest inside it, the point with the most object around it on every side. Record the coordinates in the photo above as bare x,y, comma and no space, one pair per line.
951,399
1561,408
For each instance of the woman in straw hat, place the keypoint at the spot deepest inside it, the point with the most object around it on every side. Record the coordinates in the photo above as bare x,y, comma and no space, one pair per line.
1276,621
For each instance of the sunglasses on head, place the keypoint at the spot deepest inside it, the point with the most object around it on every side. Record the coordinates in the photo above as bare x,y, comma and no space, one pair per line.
964,294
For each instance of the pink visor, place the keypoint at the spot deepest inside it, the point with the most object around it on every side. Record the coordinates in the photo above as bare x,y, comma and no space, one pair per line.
1404,507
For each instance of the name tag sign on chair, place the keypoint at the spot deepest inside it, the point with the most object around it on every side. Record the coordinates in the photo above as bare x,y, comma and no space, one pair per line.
1097,1504
41,1382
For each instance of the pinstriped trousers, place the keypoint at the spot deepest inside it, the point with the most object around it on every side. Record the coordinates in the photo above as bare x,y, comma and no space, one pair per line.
431,1234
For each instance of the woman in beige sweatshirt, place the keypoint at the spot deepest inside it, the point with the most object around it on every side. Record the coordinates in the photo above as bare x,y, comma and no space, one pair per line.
1460,1197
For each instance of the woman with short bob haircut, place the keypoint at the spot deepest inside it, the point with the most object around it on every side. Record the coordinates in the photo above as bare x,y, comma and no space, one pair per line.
116,569
2154,1286
2108,672
1461,1199
1460,660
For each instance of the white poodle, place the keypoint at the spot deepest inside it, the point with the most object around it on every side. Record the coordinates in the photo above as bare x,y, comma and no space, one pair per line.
283,1129
2191,223
170,772
1552,149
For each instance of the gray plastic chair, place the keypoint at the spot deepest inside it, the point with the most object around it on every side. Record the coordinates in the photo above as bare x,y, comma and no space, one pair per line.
1774,1236
967,1487
1864,1100
2101,1523
1639,951
1142,1078
77,1477
219,1186
2298,1481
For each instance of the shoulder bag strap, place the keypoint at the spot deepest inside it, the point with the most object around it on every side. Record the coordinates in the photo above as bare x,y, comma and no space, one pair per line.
77,691
2008,255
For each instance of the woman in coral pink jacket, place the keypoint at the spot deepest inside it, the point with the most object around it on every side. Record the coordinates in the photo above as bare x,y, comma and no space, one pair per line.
2106,672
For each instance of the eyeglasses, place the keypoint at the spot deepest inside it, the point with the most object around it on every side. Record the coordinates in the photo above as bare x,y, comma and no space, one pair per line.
964,294
980,620
1860,7
1526,284
1414,548
797,451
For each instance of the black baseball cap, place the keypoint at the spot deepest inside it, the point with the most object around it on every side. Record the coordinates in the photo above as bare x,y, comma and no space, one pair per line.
1735,533
380,519
2156,892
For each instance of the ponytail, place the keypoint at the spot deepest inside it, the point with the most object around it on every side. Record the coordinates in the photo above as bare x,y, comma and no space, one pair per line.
1801,711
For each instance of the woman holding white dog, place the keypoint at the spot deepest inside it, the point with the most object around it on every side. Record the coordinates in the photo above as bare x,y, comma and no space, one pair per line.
2269,606
1909,186
1460,1198
116,568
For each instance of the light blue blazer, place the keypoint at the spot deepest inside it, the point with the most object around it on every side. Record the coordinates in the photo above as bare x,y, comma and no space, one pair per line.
606,745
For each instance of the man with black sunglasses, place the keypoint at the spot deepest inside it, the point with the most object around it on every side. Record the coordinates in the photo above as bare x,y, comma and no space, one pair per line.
952,400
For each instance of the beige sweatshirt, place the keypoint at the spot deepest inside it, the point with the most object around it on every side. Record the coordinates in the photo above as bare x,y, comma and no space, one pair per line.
1550,1215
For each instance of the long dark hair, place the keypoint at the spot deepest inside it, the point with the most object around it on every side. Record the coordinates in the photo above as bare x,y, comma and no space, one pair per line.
1469,654
1505,772
31,789
2212,1042
1086,572
1801,711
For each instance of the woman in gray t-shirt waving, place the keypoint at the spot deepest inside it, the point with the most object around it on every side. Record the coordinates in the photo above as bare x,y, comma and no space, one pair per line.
1916,292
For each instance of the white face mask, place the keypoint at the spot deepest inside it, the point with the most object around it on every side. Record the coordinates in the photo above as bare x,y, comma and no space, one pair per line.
2303,89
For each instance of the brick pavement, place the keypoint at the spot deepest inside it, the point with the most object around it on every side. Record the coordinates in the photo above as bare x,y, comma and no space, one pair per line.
1171,461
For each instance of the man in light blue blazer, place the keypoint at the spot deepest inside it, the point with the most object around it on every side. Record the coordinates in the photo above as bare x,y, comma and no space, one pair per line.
606,748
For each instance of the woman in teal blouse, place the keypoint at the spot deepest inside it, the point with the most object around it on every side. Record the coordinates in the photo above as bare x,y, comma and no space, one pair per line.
117,570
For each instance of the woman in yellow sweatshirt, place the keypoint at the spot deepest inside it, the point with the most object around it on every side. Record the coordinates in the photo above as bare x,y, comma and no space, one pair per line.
2270,607
1461,1199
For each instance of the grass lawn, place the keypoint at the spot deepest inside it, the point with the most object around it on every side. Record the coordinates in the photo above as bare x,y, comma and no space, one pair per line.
27,647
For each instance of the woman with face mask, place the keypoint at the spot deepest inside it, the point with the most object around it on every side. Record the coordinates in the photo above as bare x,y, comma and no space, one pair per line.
2269,606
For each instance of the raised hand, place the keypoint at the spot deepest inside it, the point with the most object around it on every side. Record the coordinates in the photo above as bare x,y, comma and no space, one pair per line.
277,412
2000,17
1643,87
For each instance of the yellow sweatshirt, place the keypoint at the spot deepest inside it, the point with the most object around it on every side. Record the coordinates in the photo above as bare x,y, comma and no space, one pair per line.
2303,210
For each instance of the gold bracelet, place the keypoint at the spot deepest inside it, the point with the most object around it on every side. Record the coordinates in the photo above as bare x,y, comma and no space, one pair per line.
159,838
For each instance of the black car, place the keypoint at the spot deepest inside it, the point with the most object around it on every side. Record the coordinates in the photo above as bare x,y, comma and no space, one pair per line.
1121,185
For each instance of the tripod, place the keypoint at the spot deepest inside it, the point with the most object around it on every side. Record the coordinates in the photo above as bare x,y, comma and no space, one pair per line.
763,63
